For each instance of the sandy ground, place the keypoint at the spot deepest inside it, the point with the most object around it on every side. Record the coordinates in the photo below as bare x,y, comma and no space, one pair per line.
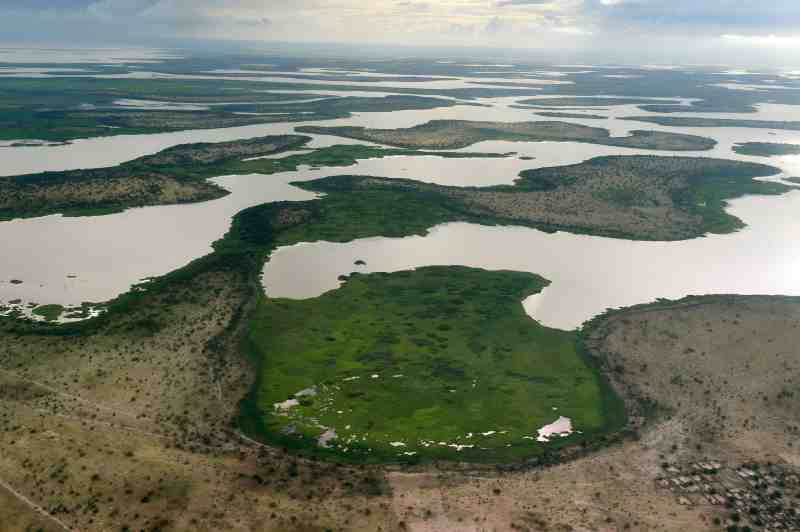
136,430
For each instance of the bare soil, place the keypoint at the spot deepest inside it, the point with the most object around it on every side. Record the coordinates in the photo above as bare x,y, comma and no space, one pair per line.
135,427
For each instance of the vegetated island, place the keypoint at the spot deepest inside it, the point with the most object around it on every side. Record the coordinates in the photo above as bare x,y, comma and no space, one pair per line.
163,178
454,134
691,121
632,197
175,175
435,363
766,149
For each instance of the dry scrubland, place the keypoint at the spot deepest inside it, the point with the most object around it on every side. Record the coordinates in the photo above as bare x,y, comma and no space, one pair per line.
454,134
634,197
134,427
161,179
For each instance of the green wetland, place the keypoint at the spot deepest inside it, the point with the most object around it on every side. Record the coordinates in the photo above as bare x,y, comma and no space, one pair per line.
440,362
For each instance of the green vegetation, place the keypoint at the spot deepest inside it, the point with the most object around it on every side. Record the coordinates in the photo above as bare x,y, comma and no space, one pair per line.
359,207
453,134
633,197
493,314
690,121
441,362
63,109
49,312
766,149
174,175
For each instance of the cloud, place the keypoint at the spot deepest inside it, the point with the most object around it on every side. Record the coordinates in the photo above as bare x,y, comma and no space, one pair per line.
523,2
613,30
711,14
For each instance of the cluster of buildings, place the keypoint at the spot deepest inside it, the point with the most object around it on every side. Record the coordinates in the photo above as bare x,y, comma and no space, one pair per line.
763,497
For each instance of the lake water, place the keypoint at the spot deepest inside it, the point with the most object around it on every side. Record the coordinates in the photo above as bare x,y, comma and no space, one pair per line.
71,260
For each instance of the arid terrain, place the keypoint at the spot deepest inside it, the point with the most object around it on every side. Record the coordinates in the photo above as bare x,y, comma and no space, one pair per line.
160,179
453,134
636,197
154,391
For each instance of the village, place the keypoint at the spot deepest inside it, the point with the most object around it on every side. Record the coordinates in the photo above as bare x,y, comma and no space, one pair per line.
753,496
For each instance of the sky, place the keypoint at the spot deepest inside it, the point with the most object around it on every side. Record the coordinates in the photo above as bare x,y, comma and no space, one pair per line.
734,32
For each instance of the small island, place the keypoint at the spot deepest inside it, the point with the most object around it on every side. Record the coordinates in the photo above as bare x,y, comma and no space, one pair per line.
766,149
455,134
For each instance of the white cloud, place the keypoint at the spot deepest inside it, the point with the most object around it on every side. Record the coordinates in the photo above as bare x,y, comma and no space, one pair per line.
611,30
773,41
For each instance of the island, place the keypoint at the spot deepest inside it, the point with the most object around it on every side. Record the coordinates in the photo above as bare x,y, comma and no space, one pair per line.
435,363
175,175
631,197
766,149
454,134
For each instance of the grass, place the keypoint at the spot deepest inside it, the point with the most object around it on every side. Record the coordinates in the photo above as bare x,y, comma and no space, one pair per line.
442,328
49,312
420,358
64,109
694,190
450,325
454,134
174,175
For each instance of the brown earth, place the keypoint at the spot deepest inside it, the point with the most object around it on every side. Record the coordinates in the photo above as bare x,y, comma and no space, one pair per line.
134,426
174,175
634,197
454,134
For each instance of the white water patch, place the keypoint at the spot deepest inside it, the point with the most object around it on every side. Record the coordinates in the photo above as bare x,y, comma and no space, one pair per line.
155,105
281,155
326,438
29,143
753,87
558,429
285,406
461,82
37,72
